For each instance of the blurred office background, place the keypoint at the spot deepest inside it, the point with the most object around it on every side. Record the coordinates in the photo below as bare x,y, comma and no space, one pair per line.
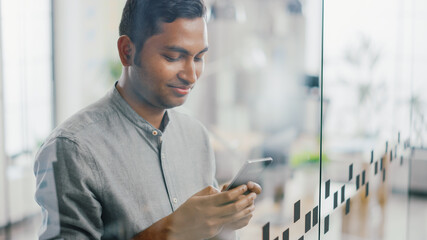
337,99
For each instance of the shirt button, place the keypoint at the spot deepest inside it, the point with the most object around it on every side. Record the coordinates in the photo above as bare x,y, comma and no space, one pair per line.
175,200
155,133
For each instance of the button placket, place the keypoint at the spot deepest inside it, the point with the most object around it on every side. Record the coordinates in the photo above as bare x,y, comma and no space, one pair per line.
169,182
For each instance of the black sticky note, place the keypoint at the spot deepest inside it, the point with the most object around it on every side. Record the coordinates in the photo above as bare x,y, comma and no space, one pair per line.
386,146
286,234
401,160
297,208
315,215
350,172
301,238
383,175
308,222
277,238
372,156
327,188
391,155
357,182
376,167
335,200
347,206
266,232
326,224
342,193
367,189
363,177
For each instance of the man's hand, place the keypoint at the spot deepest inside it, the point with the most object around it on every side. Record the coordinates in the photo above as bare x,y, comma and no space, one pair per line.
205,213
253,188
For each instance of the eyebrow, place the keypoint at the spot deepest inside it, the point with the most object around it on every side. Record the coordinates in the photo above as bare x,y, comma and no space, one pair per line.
183,50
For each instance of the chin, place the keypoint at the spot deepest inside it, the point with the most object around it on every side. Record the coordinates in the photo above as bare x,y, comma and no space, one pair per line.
173,104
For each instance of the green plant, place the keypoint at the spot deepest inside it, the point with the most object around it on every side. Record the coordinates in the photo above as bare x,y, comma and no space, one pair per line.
307,158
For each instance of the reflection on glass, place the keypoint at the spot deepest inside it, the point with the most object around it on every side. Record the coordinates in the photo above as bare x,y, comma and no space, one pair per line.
259,97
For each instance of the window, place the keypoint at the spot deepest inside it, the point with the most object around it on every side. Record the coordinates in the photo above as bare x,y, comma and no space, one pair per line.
27,75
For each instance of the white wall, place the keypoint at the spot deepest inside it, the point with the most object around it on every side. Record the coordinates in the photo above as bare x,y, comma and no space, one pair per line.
85,35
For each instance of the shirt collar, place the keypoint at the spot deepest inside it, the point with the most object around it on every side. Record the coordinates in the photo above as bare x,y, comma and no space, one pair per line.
130,114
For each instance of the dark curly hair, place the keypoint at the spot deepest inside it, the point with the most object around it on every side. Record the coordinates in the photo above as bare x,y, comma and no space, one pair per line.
141,18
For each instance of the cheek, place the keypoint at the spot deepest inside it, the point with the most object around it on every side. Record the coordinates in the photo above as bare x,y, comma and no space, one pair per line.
199,69
165,71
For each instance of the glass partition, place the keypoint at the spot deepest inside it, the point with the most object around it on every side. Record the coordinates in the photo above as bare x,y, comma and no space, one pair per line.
260,97
368,108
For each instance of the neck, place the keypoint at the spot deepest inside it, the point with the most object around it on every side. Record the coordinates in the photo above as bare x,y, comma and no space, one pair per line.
151,114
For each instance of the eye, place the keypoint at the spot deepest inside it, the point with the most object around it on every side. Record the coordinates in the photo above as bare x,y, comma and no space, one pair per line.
171,59
199,58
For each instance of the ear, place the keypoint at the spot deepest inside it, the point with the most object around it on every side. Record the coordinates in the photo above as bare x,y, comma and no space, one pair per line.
126,50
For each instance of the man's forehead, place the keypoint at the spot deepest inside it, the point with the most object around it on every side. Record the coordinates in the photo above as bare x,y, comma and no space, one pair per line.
183,33
183,26
179,49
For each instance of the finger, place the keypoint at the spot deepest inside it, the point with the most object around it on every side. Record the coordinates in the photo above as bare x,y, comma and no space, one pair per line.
254,187
237,199
239,215
241,197
229,196
243,222
239,205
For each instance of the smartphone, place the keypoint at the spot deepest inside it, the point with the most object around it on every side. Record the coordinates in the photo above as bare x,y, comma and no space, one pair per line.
250,171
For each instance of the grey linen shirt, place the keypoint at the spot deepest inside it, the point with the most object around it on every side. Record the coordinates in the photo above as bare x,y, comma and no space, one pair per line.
106,173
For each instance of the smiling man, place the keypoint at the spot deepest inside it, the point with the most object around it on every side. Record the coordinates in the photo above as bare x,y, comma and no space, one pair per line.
128,166
161,74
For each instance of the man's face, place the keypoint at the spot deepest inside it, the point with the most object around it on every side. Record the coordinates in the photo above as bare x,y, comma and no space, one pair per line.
170,63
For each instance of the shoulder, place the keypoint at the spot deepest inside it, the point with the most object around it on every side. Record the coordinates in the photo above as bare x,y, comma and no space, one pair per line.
187,122
93,116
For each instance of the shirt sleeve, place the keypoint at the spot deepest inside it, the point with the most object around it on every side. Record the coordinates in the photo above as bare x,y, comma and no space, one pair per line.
68,191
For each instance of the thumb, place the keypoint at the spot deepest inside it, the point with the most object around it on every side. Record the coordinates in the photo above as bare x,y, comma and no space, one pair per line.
207,191
225,186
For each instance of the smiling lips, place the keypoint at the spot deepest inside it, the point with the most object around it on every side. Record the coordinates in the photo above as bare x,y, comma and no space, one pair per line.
182,90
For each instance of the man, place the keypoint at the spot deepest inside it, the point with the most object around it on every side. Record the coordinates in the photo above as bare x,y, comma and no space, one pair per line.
130,167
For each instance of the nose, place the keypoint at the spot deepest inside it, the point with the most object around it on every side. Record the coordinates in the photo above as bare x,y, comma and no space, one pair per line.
188,73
